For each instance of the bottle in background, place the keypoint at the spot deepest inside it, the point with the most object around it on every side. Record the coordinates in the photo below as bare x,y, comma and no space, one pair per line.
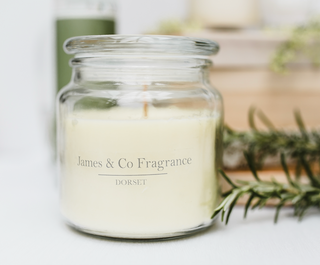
77,18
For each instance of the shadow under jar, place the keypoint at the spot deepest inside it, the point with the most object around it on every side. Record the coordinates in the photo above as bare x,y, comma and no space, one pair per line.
139,136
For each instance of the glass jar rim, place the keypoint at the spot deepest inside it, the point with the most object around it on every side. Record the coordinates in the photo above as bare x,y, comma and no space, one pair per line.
141,44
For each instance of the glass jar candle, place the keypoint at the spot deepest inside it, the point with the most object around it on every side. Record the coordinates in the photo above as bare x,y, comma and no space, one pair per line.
139,136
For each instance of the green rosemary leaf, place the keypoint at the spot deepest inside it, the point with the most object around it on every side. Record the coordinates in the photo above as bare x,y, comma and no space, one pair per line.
261,196
256,204
276,183
228,129
309,189
250,161
298,170
222,205
231,198
248,204
231,207
222,215
307,169
286,196
262,190
227,178
243,182
296,208
251,118
297,198
303,211
225,194
285,169
300,123
263,203
215,213
279,206
266,121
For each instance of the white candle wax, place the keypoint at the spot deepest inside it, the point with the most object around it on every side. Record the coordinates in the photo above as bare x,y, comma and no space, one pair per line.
138,177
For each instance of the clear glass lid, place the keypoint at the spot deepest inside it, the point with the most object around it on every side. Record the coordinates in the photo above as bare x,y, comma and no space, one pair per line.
141,44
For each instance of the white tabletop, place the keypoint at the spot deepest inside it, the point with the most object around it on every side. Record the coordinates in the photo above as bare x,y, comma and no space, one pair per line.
33,232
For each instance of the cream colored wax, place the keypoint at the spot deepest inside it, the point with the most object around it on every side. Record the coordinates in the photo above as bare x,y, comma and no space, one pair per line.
124,175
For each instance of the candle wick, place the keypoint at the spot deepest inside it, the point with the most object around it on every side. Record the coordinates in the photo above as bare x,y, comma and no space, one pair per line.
145,104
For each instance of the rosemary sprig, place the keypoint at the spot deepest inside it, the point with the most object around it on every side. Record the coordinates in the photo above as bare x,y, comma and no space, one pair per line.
301,196
272,142
304,40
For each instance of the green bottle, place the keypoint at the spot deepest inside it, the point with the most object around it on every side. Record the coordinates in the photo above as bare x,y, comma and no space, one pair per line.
77,18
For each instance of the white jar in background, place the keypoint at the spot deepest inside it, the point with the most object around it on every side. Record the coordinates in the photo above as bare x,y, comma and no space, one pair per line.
285,13
226,13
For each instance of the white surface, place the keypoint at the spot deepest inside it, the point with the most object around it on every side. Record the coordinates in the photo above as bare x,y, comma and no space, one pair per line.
26,74
32,232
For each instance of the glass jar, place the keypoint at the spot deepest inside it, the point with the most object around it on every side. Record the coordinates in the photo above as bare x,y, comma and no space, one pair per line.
139,136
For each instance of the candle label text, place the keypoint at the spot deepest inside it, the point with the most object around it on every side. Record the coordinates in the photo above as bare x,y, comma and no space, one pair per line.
139,163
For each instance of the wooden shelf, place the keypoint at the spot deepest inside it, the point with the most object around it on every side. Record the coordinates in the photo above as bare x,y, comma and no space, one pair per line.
243,49
242,76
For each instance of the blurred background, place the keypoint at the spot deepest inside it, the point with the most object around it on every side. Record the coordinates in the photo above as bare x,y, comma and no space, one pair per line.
270,52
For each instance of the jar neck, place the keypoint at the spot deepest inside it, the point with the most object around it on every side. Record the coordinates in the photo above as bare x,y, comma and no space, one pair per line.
139,70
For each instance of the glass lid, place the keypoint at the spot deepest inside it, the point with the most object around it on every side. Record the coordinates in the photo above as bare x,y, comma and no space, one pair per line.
141,44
